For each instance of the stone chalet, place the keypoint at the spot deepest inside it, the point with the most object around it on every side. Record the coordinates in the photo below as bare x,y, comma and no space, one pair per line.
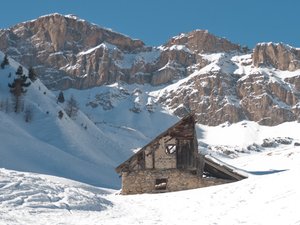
171,162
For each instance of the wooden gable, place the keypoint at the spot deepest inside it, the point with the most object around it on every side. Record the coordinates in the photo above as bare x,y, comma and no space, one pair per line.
179,140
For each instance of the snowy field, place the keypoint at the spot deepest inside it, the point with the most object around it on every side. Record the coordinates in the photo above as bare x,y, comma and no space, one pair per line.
268,198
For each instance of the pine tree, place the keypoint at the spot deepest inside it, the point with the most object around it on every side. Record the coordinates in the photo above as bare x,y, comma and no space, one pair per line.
19,72
32,74
72,107
17,89
4,62
61,98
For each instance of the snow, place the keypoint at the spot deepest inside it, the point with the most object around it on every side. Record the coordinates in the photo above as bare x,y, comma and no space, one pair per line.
76,149
110,107
147,57
103,45
248,132
269,198
56,53
65,148
176,48
287,46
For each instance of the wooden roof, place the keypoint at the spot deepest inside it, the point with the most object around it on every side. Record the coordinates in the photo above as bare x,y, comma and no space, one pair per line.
183,129
220,169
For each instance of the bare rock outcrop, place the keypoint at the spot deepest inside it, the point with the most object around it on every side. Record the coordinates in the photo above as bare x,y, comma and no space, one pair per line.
295,81
217,97
226,85
210,96
69,52
265,101
202,41
57,46
279,56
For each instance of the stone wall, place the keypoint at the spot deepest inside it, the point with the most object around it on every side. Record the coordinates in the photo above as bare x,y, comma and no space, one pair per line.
162,160
144,181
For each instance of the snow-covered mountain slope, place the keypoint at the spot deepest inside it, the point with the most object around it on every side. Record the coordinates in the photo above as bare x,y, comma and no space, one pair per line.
73,148
126,117
269,196
114,121
126,113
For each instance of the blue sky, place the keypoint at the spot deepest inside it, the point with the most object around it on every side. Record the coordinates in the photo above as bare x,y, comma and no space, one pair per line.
155,21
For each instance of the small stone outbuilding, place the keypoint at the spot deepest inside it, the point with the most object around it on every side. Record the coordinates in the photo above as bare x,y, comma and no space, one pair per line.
171,162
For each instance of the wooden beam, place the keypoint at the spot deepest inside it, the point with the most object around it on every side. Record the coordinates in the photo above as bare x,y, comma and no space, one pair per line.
223,169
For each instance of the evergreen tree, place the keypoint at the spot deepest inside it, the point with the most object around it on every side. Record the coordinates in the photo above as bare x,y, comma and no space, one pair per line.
19,72
72,107
17,89
32,74
61,98
4,62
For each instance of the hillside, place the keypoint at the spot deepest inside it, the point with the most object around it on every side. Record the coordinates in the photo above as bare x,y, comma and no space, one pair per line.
115,120
128,93
269,195
73,148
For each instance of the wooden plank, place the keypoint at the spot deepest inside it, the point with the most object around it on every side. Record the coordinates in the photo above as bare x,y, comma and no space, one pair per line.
223,169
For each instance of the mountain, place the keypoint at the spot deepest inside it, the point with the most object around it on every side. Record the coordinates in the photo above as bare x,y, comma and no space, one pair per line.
195,72
128,93
70,52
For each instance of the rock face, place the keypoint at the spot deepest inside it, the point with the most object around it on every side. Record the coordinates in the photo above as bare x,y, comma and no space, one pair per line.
69,52
66,51
200,41
267,101
279,56
222,82
220,95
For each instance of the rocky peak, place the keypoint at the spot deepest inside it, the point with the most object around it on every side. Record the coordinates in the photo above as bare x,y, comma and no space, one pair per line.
60,30
277,55
54,44
201,41
69,52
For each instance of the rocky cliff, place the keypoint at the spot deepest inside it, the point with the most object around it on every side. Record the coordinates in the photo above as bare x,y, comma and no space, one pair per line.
69,52
194,72
277,55
231,89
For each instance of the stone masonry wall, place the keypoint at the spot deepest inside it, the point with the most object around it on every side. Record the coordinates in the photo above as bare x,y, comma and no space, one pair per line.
143,181
162,160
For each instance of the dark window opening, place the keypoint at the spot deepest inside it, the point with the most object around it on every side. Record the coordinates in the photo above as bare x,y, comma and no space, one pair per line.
193,172
170,148
161,184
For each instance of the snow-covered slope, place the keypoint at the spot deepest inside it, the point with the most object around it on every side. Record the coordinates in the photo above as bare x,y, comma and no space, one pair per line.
126,117
116,120
266,197
73,148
